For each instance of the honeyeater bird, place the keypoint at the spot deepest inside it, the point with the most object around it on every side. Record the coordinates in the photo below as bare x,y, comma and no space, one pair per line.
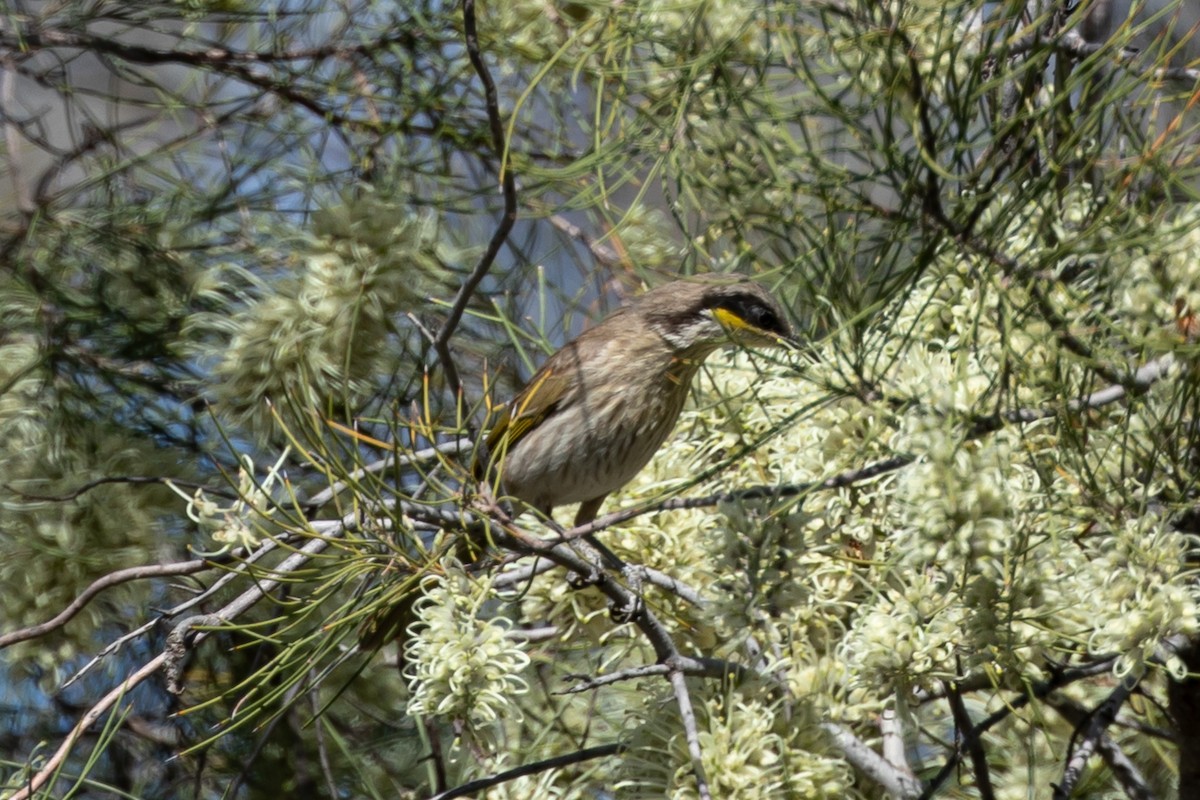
600,407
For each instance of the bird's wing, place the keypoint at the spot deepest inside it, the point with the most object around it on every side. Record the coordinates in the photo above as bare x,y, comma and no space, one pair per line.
544,394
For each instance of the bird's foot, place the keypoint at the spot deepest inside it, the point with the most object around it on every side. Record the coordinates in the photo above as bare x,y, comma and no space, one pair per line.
596,574
578,581
635,576
628,612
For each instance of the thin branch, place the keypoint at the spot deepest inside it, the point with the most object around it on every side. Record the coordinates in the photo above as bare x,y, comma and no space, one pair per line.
542,634
1073,43
605,255
93,714
108,479
41,38
114,646
507,220
1123,769
99,585
1094,728
972,743
579,756
648,575
234,64
892,779
456,446
1061,678
846,478
170,658
695,667
688,716
586,683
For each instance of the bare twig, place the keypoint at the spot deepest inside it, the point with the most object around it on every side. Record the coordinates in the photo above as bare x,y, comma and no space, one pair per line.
579,756
93,714
541,634
1073,43
688,716
107,479
1123,769
456,446
968,740
1092,730
847,478
114,646
508,218
236,64
31,39
697,667
605,255
894,780
649,575
99,585
586,683
230,611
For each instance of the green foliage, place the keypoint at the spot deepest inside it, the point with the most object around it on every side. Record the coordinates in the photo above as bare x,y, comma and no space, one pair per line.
323,332
238,238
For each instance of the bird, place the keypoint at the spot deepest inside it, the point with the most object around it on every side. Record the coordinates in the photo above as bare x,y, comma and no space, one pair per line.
600,407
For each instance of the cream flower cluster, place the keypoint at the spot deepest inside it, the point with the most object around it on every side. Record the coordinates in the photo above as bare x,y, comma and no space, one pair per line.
462,664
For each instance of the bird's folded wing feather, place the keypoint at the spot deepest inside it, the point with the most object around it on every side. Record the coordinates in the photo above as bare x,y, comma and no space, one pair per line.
544,394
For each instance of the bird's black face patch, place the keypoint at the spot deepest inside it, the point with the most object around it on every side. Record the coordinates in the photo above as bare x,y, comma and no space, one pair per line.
752,310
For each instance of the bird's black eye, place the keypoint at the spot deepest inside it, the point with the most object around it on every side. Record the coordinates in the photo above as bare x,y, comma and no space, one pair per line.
762,317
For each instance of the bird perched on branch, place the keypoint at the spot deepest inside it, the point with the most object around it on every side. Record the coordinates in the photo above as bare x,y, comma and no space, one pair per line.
599,408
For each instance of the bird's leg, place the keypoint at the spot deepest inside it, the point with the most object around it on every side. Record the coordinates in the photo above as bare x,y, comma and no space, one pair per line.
632,573
587,513
590,549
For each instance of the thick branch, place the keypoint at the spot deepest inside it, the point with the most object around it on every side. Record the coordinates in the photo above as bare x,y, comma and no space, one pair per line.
688,716
893,780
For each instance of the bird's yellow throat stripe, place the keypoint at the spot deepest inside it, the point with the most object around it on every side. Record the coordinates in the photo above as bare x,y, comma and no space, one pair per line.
732,320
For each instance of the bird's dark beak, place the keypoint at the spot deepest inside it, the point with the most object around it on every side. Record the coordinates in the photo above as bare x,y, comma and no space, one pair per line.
790,342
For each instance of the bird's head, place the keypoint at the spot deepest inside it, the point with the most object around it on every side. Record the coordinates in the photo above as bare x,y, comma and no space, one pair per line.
701,314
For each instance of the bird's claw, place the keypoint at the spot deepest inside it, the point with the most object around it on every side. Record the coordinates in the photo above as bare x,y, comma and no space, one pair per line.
634,575
628,612
577,580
